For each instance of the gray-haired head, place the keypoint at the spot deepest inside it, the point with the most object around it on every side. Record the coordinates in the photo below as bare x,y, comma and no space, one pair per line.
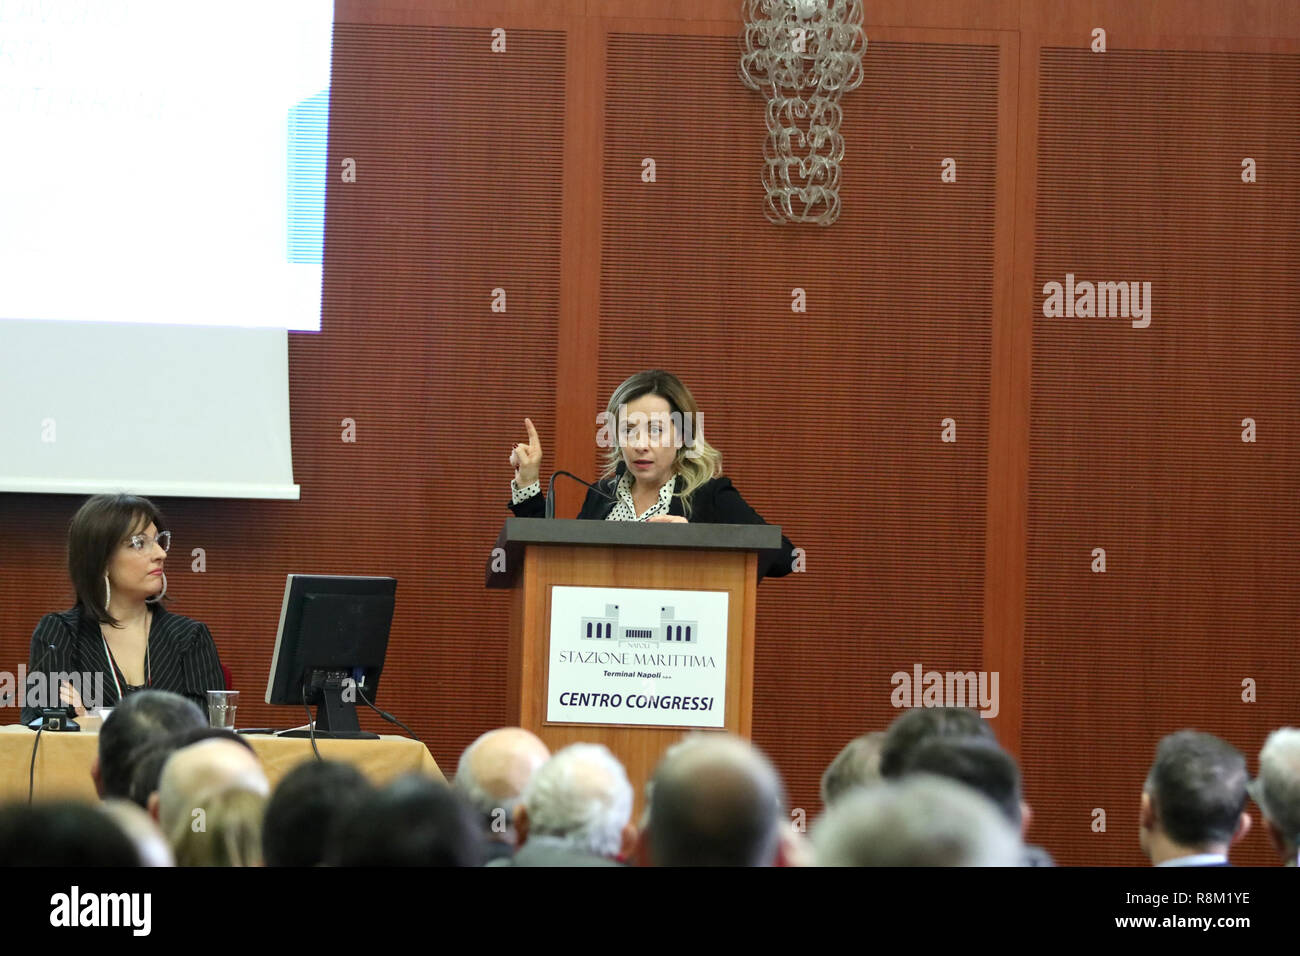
494,771
580,800
921,820
1277,786
857,765
715,800
140,719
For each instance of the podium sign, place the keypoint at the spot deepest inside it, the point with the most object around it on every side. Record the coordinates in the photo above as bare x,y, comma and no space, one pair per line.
640,656
675,606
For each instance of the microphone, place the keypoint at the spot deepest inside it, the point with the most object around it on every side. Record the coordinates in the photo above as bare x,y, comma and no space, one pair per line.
550,488
54,718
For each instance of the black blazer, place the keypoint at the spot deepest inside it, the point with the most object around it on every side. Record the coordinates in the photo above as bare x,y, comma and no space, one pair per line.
715,502
182,655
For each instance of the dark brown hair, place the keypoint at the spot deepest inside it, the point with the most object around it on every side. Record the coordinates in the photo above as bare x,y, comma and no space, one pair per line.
98,529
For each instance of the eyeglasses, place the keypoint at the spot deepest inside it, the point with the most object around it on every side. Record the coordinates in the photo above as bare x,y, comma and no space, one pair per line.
140,542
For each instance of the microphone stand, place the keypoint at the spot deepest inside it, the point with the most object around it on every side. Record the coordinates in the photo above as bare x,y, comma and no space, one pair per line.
550,489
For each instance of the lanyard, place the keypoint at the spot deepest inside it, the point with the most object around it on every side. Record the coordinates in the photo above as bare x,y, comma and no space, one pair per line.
112,662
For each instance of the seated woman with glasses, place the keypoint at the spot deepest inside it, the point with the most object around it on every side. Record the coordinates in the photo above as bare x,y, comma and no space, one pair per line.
118,638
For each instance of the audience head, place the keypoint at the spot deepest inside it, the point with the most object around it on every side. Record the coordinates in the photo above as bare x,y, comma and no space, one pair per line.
715,800
141,830
581,801
918,725
304,809
62,833
493,773
857,765
1276,790
140,719
1194,798
225,831
149,760
920,820
195,772
414,821
983,766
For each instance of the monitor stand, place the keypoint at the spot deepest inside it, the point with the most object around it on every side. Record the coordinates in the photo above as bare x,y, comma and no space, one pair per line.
336,719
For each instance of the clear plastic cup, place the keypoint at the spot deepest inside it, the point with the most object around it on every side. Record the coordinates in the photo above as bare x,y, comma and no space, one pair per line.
222,705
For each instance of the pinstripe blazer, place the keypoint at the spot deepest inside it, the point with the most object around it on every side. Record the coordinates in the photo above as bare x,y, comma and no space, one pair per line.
182,655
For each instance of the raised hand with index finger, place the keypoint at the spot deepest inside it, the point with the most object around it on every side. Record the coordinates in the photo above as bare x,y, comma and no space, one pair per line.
527,457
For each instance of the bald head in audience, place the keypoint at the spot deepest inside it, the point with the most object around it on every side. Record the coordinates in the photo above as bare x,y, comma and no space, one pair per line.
195,772
493,773
715,800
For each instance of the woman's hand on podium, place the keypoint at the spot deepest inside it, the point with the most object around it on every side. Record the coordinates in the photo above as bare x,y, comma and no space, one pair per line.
673,519
527,458
68,696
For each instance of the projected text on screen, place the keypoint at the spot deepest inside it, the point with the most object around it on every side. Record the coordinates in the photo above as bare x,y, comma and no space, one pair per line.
163,162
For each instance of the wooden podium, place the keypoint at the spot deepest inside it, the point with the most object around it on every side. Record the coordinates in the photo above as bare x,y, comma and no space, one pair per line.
533,555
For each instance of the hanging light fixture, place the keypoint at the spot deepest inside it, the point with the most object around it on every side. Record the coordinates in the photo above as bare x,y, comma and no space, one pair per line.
803,55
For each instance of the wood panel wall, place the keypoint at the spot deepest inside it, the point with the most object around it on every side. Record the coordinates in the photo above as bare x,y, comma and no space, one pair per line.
521,171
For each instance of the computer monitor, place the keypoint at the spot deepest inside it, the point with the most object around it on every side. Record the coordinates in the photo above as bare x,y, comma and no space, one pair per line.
329,648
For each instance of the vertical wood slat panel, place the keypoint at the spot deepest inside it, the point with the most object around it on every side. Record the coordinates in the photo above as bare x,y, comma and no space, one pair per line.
1136,433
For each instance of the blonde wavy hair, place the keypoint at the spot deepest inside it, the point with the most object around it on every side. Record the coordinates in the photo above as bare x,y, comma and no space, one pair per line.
697,461
229,834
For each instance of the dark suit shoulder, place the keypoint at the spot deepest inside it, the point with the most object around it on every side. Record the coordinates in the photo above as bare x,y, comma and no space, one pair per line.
58,623
179,621
185,631
71,617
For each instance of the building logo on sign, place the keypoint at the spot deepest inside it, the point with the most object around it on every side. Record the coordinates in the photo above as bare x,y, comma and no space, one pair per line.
668,630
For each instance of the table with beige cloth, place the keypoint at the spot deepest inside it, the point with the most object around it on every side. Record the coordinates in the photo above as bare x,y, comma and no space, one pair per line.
63,763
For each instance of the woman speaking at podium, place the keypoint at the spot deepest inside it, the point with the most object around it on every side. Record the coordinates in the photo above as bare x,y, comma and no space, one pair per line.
658,467
119,632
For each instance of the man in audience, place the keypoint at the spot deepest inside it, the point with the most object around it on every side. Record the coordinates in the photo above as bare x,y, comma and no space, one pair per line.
1277,792
921,820
491,777
414,821
305,807
150,758
1193,801
916,726
575,812
715,800
857,765
986,768
194,773
143,717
